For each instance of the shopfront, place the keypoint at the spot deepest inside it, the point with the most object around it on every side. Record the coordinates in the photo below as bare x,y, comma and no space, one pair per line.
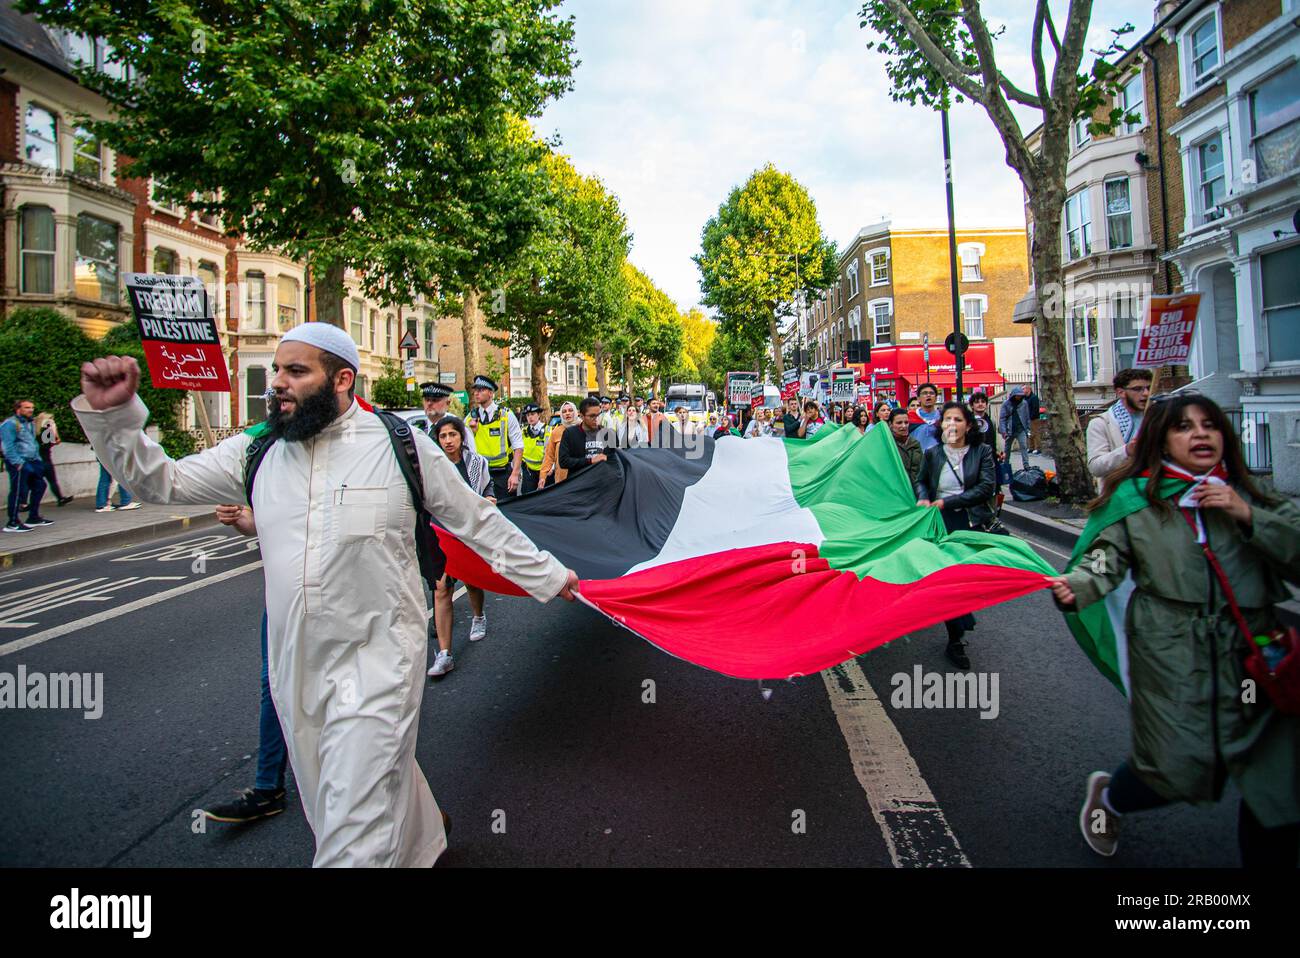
895,372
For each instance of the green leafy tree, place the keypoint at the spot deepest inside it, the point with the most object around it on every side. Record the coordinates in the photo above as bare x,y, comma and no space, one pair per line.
348,134
650,337
389,389
940,50
565,283
762,248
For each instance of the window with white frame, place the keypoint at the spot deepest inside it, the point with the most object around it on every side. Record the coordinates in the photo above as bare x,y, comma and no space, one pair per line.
166,261
1125,325
855,323
1275,124
882,320
255,393
356,321
208,273
390,343
429,352
1280,286
852,274
412,327
1132,100
879,259
372,329
286,302
1210,179
973,309
87,158
255,314
1080,131
41,140
571,368
97,259
1201,49
1085,351
1078,224
970,255
1119,214
36,246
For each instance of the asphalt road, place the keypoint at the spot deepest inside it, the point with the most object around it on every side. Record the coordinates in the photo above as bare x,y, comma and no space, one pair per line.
544,727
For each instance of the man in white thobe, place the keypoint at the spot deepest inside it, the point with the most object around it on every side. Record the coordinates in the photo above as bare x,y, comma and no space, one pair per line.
347,620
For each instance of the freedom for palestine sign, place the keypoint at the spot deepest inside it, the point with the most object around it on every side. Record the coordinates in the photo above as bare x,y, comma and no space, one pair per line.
181,344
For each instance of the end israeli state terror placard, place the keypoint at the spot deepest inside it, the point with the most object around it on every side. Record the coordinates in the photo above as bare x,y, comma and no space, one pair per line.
1166,339
181,344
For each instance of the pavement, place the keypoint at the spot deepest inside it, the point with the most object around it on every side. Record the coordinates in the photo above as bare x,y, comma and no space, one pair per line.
545,748
79,530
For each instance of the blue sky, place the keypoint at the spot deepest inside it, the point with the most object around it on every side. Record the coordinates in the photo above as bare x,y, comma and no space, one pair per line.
677,101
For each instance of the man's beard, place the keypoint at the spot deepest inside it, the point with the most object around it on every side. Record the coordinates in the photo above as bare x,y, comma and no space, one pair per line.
314,412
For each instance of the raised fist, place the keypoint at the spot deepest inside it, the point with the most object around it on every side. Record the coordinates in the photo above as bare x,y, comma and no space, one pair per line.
109,381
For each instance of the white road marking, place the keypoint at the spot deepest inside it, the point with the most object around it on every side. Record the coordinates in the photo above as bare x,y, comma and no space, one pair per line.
94,590
916,832
457,594
53,633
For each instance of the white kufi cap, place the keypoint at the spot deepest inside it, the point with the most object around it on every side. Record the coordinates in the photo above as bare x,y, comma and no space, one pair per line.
326,337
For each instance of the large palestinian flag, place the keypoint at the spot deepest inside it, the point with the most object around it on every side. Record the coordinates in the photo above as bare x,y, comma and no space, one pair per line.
762,558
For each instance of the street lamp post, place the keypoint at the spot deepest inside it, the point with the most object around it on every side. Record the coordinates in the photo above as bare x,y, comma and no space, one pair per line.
959,355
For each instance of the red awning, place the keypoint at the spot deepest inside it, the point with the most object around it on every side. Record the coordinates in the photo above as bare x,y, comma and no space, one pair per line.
969,377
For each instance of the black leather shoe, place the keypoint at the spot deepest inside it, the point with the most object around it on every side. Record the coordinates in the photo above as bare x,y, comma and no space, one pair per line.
956,653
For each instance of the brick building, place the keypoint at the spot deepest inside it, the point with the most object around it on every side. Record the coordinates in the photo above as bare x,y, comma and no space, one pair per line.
894,290
72,226
1211,189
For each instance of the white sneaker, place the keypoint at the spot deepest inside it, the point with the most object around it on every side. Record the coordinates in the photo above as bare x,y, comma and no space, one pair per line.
133,504
442,664
478,628
107,509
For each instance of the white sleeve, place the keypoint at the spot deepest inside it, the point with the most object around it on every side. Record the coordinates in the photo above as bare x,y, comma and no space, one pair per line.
513,432
213,476
482,527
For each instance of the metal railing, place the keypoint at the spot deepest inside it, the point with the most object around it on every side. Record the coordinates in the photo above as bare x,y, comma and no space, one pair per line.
1252,429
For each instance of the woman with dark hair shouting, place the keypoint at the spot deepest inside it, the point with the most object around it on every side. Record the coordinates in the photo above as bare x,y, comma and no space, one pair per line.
1197,555
958,478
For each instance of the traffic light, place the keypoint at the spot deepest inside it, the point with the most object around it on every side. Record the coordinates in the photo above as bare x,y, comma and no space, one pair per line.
859,350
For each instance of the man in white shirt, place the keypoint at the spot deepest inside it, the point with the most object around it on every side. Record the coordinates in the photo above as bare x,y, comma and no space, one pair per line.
346,615
1112,436
498,438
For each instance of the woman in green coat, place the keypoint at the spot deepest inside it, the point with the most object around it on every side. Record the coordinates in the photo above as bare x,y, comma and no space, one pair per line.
1197,718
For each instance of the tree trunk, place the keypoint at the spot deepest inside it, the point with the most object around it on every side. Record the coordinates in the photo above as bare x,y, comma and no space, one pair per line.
1057,381
598,356
540,394
471,328
328,285
775,332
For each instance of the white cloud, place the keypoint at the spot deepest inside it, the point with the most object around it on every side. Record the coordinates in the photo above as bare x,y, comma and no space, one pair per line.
677,101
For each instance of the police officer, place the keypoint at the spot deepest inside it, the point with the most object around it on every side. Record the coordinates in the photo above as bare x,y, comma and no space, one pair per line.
535,436
437,399
497,438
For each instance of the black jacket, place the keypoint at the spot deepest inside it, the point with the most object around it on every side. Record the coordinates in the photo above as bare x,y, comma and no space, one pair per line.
979,478
574,447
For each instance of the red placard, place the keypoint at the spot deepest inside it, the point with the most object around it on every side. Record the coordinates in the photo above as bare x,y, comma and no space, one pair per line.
181,345
1166,338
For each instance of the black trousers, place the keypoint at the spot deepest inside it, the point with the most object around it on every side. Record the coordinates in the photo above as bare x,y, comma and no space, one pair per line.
957,521
528,480
500,483
1260,847
50,477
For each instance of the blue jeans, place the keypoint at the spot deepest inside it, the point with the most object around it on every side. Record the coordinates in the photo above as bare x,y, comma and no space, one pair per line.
272,756
105,485
25,482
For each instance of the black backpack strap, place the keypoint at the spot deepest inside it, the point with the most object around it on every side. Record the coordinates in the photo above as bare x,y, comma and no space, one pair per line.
253,456
408,460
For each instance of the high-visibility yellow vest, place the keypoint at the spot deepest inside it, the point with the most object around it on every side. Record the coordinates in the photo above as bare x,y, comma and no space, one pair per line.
492,441
535,449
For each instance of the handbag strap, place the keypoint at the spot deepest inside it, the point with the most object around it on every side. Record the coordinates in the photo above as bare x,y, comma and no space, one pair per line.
1222,576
